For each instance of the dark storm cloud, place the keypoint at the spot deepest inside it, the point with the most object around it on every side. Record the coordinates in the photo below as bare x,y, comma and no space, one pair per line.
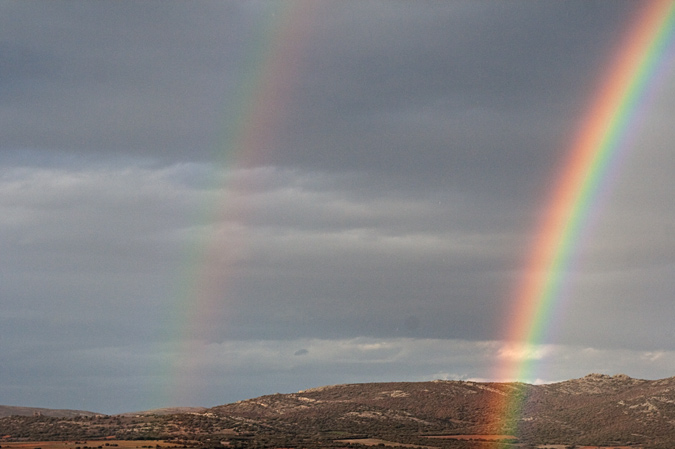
147,79
445,89
455,91
380,236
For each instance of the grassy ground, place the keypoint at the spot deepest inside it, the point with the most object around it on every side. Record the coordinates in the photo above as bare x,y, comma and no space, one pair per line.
104,444
377,442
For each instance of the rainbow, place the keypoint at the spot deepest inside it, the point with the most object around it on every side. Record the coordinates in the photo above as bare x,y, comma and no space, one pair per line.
603,139
267,72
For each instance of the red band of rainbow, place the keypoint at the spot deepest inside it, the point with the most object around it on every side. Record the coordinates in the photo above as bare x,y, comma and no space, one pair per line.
605,135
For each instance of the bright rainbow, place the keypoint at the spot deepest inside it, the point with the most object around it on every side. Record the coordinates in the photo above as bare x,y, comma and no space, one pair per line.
267,76
605,135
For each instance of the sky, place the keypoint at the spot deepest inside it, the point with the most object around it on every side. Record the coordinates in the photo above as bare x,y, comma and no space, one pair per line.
204,202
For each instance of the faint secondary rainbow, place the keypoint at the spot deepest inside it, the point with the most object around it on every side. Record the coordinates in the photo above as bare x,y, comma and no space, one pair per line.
605,135
267,75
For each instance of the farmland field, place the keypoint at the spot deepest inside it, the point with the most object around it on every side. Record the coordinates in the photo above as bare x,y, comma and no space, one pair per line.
93,444
377,442
473,437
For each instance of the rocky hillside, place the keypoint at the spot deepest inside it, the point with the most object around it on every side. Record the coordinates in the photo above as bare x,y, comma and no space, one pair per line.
167,411
601,408
428,407
597,409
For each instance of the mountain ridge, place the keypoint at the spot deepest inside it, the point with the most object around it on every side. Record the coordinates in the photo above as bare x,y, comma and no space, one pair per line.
595,410
13,410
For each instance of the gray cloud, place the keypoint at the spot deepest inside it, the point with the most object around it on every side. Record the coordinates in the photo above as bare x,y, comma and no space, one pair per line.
381,229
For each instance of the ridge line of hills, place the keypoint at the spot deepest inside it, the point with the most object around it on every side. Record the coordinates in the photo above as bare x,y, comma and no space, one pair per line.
597,409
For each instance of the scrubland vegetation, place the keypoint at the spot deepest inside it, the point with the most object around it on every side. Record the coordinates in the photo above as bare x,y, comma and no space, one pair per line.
595,411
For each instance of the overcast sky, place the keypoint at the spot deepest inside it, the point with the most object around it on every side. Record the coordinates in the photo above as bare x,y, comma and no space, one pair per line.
202,202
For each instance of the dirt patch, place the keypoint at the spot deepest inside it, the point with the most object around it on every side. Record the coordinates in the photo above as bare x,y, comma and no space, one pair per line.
474,437
608,447
377,442
93,444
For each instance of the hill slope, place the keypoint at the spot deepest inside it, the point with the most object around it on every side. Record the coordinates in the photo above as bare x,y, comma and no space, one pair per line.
8,410
594,410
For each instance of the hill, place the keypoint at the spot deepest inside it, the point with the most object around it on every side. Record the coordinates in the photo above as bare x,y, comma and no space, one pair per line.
8,410
596,410
166,411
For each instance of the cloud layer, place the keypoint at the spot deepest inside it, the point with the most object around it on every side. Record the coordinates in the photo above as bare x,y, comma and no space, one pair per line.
377,235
